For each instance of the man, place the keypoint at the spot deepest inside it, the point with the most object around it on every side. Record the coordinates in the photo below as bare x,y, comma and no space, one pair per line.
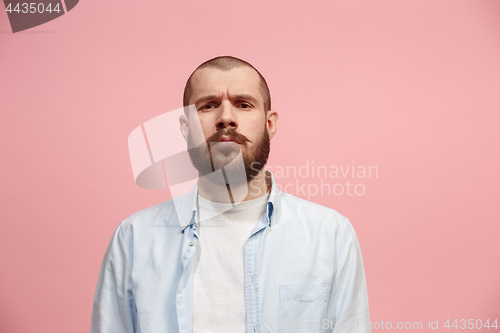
237,254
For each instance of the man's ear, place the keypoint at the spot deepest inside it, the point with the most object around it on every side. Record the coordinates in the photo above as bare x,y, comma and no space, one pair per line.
272,123
184,126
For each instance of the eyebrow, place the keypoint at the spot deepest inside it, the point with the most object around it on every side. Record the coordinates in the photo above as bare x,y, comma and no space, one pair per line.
205,98
234,97
245,97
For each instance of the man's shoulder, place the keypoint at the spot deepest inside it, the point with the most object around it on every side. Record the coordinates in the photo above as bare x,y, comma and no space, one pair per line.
313,213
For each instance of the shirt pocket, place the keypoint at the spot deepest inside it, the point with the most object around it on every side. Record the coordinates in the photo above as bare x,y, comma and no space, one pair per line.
302,307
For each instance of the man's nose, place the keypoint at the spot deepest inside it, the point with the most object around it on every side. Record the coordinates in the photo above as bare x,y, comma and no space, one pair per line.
226,116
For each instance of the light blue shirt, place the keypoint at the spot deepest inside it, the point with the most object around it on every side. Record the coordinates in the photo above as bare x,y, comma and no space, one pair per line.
303,270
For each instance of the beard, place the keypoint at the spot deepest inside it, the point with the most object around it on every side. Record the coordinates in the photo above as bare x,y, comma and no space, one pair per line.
212,156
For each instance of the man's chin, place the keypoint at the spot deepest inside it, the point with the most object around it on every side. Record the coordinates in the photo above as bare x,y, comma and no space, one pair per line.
221,160
225,149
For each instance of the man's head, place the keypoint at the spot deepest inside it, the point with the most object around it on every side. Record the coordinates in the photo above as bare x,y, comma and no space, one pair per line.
226,63
232,103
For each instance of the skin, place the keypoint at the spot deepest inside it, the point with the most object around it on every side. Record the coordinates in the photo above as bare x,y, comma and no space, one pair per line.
226,99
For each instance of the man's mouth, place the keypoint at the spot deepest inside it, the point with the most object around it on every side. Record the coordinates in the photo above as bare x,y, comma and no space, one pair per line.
227,138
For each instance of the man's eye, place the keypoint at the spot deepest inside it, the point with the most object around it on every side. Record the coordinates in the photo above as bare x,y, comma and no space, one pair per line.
207,107
245,106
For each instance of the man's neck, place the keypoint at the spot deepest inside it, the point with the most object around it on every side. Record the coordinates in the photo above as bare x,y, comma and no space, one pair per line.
218,192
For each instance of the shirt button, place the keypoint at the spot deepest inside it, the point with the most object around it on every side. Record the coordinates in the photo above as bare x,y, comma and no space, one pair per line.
191,243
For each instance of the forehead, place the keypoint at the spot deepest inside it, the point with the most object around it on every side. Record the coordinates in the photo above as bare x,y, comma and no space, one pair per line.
238,80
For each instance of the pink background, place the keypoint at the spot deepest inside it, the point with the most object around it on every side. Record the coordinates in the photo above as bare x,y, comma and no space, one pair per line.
411,87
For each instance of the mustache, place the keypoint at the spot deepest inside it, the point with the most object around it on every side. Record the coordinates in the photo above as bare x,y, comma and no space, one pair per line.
240,138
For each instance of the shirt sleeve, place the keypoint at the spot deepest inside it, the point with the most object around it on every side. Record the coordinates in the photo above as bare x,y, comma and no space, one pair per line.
347,309
114,308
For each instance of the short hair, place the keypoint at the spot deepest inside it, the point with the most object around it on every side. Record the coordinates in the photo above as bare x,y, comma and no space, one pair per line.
226,63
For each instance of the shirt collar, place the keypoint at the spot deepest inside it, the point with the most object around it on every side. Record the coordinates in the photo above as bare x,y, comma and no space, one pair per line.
186,205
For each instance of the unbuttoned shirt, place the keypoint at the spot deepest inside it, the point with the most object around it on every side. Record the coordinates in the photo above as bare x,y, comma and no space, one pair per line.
303,270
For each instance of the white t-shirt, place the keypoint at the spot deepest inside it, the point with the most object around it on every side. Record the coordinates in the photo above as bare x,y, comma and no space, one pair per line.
219,296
